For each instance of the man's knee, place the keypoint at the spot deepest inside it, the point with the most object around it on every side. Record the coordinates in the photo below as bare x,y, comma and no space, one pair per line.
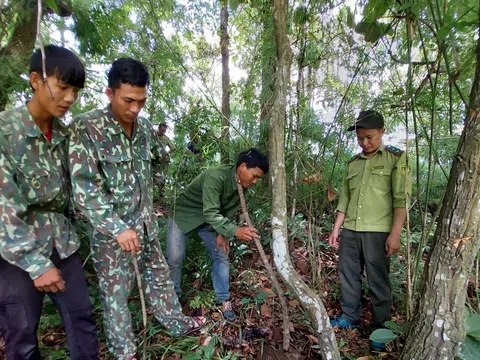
221,257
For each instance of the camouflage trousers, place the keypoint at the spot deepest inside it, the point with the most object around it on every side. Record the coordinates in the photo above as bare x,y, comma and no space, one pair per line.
116,277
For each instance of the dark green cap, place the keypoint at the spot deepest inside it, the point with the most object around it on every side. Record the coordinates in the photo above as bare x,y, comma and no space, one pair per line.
368,119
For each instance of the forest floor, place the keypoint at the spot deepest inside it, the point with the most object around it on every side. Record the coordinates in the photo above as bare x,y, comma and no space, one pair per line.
257,333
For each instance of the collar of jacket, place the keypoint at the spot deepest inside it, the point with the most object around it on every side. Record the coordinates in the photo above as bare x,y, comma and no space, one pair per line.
59,130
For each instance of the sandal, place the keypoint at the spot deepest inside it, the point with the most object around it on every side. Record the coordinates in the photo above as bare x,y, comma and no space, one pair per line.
228,313
199,324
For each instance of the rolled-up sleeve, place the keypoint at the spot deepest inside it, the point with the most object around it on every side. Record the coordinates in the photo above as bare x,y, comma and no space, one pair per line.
401,182
344,196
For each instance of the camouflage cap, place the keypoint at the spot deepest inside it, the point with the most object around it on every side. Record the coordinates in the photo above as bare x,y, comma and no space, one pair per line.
368,119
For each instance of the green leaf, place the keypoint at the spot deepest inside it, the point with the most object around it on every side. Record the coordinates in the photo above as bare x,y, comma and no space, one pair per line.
416,8
372,31
399,329
192,356
350,19
443,32
245,301
301,15
50,309
57,354
470,349
234,5
375,9
383,336
472,325
51,4
399,91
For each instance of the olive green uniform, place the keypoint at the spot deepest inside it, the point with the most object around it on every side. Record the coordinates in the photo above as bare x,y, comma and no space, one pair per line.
373,187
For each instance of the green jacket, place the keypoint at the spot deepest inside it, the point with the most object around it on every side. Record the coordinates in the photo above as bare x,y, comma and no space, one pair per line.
35,193
212,198
112,174
372,188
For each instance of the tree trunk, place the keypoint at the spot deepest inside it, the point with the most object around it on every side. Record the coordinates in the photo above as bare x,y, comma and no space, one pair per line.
224,42
299,106
437,330
267,59
307,297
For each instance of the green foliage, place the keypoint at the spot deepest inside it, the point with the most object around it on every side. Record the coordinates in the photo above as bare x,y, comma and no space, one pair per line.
383,336
204,352
398,329
471,347
472,326
375,9
203,299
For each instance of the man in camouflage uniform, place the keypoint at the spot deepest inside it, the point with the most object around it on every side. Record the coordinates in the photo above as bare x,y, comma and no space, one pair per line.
372,210
164,139
38,242
111,154
159,176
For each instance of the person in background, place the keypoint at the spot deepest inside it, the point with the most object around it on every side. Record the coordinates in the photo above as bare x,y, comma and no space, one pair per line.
38,242
160,173
112,153
372,209
164,139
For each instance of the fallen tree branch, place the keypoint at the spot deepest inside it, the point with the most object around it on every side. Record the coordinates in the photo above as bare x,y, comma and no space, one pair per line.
276,285
142,302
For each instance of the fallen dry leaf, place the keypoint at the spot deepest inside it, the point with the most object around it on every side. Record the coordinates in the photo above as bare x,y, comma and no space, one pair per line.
269,291
265,310
457,242
331,193
206,341
293,303
314,339
313,179
302,265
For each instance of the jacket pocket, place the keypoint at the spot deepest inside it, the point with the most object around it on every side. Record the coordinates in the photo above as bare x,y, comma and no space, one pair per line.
117,170
381,178
39,185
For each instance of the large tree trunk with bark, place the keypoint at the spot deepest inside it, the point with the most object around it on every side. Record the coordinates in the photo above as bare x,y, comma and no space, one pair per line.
224,42
267,59
309,300
437,329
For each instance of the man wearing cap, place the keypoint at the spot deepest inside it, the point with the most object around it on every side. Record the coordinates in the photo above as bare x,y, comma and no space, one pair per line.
161,169
164,139
372,210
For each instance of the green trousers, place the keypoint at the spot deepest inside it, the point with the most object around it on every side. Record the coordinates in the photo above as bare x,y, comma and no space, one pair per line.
359,251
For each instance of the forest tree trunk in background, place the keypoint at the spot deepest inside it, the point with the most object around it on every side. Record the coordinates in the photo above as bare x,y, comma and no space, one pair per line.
309,300
224,42
437,329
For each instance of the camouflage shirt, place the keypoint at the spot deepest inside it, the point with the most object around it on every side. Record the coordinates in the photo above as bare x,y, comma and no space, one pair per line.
35,193
112,174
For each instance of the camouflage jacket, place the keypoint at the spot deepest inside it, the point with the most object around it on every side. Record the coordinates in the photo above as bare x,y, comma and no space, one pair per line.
35,193
112,174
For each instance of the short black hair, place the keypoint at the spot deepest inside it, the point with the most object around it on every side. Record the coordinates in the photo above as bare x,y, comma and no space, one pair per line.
59,62
163,125
128,71
254,158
